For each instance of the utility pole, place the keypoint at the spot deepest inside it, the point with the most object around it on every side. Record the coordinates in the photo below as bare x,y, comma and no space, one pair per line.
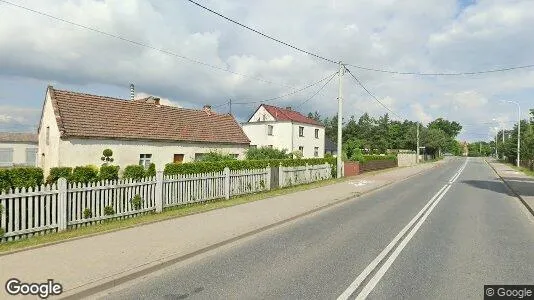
340,119
417,151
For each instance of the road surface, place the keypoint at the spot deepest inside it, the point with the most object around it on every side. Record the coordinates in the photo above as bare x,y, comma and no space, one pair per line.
441,235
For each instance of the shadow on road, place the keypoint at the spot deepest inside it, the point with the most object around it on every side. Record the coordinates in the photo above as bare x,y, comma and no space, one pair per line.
495,186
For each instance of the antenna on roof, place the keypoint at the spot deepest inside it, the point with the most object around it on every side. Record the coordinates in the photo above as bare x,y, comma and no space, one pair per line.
132,91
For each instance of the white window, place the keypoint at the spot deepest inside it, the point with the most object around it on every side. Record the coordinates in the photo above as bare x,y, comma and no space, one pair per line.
6,157
316,133
48,135
316,151
264,117
301,131
270,129
31,156
144,160
301,149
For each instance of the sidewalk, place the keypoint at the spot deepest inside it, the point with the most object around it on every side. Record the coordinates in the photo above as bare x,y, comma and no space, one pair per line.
521,184
92,264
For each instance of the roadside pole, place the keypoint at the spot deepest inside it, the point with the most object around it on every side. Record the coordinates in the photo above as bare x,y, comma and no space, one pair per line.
340,119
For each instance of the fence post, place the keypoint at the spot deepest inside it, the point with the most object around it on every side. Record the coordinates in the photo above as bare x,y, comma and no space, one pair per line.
281,179
227,183
62,204
159,191
268,183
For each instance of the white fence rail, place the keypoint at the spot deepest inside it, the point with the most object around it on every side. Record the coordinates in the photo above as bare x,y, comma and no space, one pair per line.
50,208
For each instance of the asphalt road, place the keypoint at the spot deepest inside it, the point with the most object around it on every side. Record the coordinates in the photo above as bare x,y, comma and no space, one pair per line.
447,236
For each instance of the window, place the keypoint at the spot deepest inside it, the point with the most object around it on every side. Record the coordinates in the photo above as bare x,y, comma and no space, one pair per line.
270,129
301,149
264,117
48,135
316,151
178,158
31,156
144,160
234,155
270,146
301,131
6,157
316,133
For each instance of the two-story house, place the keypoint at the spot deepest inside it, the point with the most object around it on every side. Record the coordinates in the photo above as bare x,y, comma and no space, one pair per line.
284,128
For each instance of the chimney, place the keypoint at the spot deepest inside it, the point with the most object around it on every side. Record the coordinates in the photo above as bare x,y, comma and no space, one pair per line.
207,109
288,107
156,100
132,91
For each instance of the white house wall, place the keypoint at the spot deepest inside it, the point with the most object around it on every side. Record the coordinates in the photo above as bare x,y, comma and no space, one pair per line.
261,115
48,154
309,142
19,151
80,152
257,133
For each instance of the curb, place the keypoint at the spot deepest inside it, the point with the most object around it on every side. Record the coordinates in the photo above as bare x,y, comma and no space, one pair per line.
528,207
115,280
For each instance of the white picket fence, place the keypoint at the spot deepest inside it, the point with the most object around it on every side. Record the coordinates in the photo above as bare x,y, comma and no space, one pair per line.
289,176
51,208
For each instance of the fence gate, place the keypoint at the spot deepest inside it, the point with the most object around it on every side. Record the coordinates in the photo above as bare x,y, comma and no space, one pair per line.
275,177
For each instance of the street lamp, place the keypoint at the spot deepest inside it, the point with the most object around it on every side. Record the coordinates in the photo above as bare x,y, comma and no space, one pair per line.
518,130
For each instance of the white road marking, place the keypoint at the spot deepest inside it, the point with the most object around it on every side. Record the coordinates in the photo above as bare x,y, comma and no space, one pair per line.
422,215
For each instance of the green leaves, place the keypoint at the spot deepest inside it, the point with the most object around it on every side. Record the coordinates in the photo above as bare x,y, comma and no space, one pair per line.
20,178
266,153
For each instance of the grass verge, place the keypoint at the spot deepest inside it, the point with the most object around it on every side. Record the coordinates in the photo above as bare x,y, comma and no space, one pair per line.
169,213
526,171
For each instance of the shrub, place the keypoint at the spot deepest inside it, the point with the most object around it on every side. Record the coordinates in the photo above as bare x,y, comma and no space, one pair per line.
56,173
109,172
134,172
216,156
137,202
25,177
2,232
5,181
109,211
87,213
266,153
84,174
151,172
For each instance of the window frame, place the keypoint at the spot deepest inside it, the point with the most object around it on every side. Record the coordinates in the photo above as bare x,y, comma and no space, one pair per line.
316,133
145,159
301,131
316,152
270,130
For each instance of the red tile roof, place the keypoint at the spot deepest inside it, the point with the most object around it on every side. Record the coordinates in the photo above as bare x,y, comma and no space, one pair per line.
20,137
283,114
91,116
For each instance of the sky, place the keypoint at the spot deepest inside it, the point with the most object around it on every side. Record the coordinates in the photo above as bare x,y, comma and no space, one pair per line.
209,60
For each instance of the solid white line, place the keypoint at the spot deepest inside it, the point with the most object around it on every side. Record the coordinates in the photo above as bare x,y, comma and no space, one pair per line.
436,198
356,283
376,278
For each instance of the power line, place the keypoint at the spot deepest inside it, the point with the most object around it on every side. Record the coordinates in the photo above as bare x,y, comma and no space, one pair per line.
290,93
262,34
372,95
167,52
442,73
318,91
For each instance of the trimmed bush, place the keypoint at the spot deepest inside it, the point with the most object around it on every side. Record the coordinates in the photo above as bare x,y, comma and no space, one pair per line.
151,172
56,173
137,202
109,211
5,181
84,174
206,167
87,213
109,172
134,172
263,153
378,157
25,177
216,156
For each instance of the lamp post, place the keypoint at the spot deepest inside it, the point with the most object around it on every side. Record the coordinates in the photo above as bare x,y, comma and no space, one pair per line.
518,131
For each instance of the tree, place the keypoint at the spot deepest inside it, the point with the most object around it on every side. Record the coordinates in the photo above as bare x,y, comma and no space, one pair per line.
451,129
266,153
316,116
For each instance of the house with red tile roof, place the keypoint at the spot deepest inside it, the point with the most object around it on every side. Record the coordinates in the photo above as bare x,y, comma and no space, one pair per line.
285,128
75,129
18,149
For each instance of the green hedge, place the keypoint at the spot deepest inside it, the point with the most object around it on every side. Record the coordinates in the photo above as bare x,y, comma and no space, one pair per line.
151,172
377,157
134,172
56,173
206,167
84,174
109,172
20,178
